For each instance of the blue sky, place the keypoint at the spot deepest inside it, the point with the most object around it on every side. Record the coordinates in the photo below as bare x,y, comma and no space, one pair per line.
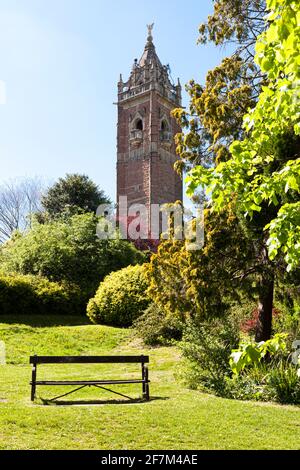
60,61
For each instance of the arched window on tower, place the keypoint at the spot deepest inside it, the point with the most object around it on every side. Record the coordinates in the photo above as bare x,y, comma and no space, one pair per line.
139,125
136,134
165,134
164,125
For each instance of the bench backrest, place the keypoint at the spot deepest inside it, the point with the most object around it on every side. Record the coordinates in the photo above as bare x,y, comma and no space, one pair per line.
89,359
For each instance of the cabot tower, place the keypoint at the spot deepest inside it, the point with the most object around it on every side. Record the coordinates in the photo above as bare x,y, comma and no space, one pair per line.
146,130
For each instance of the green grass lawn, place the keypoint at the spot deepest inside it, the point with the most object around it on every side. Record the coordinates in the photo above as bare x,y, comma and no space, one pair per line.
175,418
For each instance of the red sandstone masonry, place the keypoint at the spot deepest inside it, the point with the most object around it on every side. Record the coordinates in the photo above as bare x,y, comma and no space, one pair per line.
145,168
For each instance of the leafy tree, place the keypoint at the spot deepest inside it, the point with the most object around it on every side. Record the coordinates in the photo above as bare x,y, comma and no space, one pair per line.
236,22
215,115
195,284
68,251
263,174
72,195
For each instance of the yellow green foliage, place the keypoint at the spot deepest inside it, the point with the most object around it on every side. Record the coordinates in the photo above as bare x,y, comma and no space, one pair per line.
230,21
214,118
194,283
121,298
34,295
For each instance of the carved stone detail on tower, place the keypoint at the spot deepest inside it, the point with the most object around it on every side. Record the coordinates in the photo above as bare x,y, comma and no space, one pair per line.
149,74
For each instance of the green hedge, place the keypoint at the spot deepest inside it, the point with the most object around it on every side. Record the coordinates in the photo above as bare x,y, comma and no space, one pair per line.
120,299
34,295
68,250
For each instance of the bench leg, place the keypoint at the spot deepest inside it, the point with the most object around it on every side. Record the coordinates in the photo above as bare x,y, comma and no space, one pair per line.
146,392
143,378
33,382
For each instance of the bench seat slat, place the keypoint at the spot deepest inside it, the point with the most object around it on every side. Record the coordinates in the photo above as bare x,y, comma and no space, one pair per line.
88,382
89,359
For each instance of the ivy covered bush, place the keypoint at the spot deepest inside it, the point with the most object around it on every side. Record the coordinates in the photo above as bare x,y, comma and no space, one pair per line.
121,298
34,295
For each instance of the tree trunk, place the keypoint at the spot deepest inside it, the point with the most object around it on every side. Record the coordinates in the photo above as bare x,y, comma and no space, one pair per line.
265,307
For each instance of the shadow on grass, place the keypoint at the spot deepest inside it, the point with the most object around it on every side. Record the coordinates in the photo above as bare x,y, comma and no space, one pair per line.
43,321
133,401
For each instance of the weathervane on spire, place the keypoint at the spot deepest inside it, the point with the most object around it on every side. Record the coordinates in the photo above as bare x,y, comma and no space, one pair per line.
150,29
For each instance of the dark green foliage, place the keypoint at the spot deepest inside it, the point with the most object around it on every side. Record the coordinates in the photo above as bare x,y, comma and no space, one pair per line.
155,327
68,251
33,295
72,195
207,346
120,299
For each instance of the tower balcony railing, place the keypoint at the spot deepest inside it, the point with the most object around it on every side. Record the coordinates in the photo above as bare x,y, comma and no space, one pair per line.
136,136
137,90
168,91
165,136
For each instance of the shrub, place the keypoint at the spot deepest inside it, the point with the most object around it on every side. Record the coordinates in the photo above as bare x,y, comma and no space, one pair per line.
264,371
34,295
121,298
157,328
287,297
270,381
251,354
253,371
288,321
283,384
245,387
249,325
68,250
207,347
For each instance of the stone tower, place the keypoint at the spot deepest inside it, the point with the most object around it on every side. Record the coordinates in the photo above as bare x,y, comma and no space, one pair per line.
146,130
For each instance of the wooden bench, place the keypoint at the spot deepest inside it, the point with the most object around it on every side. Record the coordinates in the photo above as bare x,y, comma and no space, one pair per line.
143,360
